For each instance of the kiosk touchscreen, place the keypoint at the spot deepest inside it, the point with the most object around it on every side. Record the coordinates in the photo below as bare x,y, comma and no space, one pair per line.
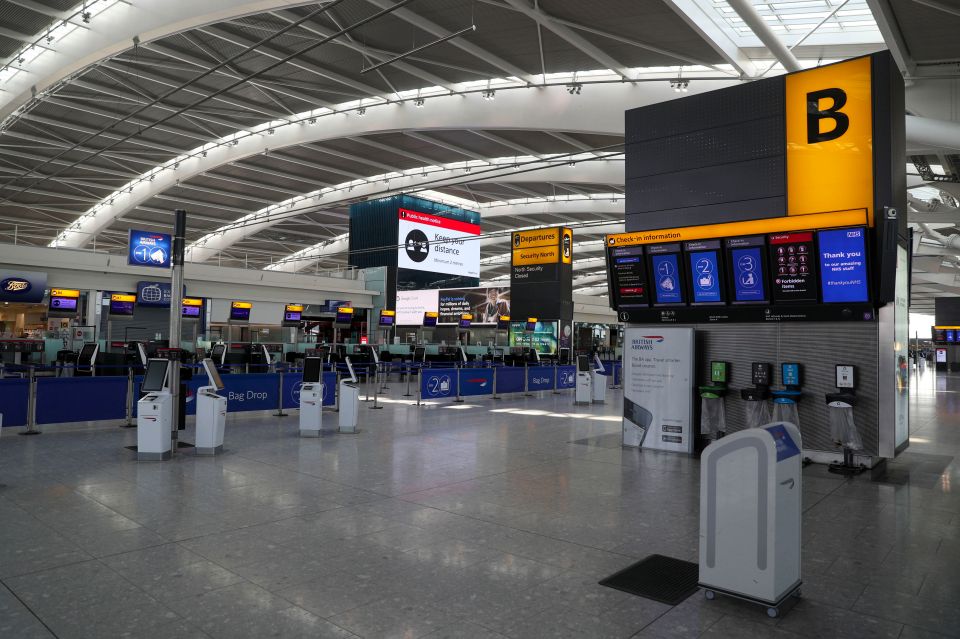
311,397
155,413
211,412
420,354
584,387
218,354
598,380
87,359
349,401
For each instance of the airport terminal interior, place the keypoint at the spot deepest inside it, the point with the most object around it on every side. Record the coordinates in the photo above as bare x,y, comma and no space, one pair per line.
479,319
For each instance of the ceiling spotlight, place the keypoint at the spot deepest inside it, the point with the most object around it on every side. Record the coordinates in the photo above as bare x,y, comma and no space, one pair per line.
679,86
489,94
234,142
418,103
176,165
269,131
86,16
362,111
203,153
571,163
574,88
312,121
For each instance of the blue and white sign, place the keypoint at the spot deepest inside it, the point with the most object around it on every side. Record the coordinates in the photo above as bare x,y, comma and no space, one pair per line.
22,286
439,383
540,378
747,266
666,277
843,265
476,381
705,274
149,249
156,294
786,447
566,377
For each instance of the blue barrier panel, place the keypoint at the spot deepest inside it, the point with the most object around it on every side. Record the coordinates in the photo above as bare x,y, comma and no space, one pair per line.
510,379
80,399
436,383
617,373
540,378
254,391
566,377
14,394
476,381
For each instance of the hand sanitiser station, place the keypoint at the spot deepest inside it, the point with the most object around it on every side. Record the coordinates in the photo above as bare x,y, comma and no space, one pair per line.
598,380
155,413
584,388
843,429
211,413
349,401
311,398
755,399
750,509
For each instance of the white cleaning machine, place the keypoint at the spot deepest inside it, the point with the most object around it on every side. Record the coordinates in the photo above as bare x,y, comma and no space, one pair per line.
155,413
211,413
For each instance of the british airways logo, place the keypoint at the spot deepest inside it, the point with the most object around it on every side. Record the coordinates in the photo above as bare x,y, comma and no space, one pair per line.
656,338
645,342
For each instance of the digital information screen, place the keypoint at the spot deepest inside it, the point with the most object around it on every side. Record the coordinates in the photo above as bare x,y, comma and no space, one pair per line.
747,270
438,244
344,315
939,334
941,356
387,318
63,304
706,271
240,311
666,274
628,273
503,323
843,265
149,249
951,336
531,325
430,319
292,313
122,304
794,273
465,320
190,307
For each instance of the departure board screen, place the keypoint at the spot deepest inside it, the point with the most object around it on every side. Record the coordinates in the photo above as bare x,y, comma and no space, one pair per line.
792,257
747,271
628,273
666,273
706,268
843,265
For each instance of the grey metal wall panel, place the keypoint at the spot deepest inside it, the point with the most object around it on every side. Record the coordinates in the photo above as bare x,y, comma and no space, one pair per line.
711,214
818,347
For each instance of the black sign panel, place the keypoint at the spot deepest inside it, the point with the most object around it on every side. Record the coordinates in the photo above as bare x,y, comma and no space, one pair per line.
628,277
793,263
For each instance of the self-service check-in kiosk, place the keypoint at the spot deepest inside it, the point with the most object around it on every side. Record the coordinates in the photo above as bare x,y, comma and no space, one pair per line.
311,397
583,394
598,381
349,401
87,360
211,413
155,412
750,509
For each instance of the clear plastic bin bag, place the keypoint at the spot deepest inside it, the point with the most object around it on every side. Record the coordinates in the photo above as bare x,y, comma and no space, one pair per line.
842,429
758,414
786,413
713,418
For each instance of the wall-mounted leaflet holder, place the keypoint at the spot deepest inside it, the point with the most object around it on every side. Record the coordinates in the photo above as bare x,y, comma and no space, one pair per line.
713,419
843,430
758,412
785,399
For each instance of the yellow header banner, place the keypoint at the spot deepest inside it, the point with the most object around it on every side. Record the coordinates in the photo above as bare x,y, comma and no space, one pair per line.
857,217
536,237
192,301
64,292
294,308
536,255
345,309
123,297
387,313
241,305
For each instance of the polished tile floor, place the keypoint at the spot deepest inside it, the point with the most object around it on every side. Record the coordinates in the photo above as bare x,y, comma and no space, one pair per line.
479,520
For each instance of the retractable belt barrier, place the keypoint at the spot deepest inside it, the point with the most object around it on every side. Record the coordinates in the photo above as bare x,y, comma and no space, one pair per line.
477,381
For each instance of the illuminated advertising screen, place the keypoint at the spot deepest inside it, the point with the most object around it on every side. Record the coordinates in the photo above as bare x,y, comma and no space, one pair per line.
747,271
706,271
411,305
486,304
387,318
240,311
544,338
430,319
794,272
666,274
147,248
843,265
941,356
122,304
438,244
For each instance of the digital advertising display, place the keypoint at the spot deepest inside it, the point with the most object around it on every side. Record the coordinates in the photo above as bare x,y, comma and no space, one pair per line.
411,305
627,270
544,338
240,311
747,268
938,334
484,303
387,318
706,276
666,273
941,356
147,248
794,270
122,304
438,244
843,265
191,307
430,319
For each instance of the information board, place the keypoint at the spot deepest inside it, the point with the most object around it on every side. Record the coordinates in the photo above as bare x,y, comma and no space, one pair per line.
627,270
843,265
666,274
794,272
747,273
240,311
122,304
706,271
147,248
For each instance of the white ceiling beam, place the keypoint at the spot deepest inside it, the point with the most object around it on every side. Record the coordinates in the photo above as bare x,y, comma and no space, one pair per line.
695,14
572,37
762,30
